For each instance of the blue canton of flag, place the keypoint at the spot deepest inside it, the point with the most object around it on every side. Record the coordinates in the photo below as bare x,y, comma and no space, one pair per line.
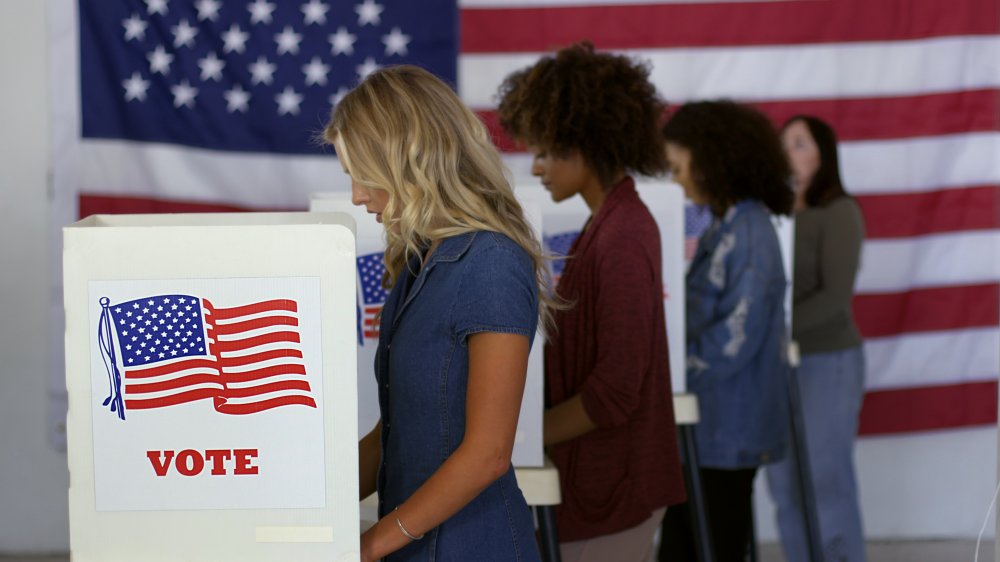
149,331
245,75
159,328
371,268
559,245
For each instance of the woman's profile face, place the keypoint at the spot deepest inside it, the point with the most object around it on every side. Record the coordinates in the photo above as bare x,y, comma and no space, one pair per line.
373,199
679,160
562,176
802,152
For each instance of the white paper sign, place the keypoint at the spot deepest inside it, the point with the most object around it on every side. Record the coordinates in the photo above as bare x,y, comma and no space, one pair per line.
220,380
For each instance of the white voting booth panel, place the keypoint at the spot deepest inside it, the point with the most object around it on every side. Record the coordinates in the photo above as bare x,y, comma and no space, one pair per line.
371,245
210,364
666,202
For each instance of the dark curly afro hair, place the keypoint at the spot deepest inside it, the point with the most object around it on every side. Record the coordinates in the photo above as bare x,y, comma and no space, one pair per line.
736,154
598,104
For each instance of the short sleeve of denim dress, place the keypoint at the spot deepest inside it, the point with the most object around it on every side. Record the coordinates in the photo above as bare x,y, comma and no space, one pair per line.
473,283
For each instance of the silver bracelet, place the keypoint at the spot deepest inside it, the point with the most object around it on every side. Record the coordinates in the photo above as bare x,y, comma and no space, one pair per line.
407,533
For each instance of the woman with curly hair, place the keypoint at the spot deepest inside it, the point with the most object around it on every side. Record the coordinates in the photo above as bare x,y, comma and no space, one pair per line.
728,156
468,284
591,120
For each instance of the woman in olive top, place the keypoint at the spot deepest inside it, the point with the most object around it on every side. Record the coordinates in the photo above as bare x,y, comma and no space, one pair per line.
829,230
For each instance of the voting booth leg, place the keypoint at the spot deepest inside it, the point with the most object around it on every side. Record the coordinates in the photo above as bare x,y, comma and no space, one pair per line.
547,533
800,458
696,496
752,554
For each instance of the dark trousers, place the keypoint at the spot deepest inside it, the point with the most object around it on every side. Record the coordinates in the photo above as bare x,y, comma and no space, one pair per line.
727,502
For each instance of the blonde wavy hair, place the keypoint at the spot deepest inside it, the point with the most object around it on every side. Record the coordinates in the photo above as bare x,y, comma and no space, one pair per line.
405,131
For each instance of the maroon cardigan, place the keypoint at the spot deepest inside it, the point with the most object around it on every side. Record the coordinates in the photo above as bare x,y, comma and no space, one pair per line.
611,346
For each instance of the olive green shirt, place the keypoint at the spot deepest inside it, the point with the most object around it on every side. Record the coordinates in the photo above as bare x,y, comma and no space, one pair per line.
827,254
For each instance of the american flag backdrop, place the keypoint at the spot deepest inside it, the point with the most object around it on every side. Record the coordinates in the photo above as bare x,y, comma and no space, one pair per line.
207,105
175,349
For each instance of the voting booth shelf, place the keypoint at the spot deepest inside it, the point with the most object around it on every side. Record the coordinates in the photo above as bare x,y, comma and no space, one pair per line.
210,366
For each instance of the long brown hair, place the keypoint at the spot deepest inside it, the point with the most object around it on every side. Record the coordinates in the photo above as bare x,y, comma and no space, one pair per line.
735,152
825,185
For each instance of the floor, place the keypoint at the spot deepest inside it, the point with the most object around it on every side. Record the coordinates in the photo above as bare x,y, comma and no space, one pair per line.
878,551
908,551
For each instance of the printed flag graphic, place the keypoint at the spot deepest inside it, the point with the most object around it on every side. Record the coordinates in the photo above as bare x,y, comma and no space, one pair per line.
371,268
696,219
166,350
558,245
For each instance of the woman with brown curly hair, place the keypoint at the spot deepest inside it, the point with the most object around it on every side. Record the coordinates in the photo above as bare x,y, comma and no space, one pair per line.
729,157
591,120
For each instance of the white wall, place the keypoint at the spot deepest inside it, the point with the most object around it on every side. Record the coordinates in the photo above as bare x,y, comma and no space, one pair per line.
33,475
929,486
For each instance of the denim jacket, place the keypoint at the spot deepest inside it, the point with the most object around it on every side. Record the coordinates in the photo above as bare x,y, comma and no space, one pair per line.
474,282
736,340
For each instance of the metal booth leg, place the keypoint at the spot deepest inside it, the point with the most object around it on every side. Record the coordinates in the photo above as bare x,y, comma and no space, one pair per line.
696,496
547,529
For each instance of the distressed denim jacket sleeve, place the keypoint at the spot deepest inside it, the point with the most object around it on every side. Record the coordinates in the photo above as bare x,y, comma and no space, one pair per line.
732,305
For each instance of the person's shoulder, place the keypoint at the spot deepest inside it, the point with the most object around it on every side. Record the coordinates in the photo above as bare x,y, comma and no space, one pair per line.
747,216
844,204
489,240
843,211
751,230
630,219
492,246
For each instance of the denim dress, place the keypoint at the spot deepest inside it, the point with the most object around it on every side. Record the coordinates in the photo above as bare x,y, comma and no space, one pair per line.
736,340
475,282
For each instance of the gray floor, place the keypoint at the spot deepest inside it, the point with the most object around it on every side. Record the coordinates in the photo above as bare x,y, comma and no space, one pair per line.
907,551
878,551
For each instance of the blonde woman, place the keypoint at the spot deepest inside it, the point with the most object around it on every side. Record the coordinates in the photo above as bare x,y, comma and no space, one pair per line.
467,285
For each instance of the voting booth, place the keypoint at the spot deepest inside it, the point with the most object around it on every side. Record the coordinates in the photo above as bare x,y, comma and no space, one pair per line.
210,363
370,298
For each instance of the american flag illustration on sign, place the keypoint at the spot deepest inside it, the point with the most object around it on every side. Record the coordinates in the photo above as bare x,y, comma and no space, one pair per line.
558,245
371,268
171,349
696,219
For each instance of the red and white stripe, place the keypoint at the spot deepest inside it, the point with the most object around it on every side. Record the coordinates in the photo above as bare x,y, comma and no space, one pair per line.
171,383
260,356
